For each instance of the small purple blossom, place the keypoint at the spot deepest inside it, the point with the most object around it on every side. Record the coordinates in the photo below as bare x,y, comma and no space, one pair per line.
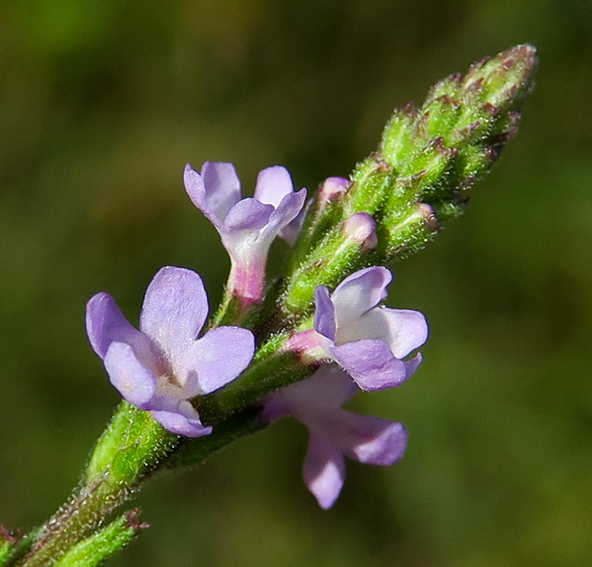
248,225
163,365
334,432
366,339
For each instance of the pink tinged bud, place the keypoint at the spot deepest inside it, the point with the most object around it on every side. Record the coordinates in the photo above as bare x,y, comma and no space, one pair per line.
333,188
428,213
361,228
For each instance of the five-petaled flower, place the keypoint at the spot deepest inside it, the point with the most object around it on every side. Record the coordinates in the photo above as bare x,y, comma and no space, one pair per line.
334,432
163,365
246,226
366,339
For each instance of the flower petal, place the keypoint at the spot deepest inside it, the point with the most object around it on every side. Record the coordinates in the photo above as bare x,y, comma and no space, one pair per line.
183,421
412,365
285,213
324,316
133,380
217,358
215,191
369,439
292,230
105,323
403,330
359,293
371,364
247,214
323,471
194,185
313,398
174,310
273,184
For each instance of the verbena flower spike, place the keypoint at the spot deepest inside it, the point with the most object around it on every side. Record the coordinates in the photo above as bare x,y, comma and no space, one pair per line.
366,339
163,365
334,432
247,226
321,331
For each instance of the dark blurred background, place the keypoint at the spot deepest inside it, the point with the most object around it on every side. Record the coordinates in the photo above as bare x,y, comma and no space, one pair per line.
102,102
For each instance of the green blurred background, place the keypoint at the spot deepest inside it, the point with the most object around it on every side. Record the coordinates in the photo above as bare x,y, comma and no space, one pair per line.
102,102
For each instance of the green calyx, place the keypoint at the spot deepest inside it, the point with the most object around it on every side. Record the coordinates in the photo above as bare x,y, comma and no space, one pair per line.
130,448
93,550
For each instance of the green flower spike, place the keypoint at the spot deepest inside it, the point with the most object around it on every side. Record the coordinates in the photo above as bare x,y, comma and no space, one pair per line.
419,176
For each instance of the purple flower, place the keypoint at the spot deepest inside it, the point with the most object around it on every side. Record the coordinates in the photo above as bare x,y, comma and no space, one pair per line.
334,432
363,337
163,365
247,226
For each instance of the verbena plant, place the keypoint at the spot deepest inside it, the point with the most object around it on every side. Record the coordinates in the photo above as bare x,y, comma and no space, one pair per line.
300,346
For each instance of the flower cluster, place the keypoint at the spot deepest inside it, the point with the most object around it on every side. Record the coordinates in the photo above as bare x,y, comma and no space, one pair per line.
353,342
365,342
366,339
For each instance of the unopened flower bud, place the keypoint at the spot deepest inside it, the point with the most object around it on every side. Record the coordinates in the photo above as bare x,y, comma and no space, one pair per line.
428,213
333,188
361,228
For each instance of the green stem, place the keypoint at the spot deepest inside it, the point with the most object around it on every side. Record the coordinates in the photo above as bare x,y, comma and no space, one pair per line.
126,454
132,448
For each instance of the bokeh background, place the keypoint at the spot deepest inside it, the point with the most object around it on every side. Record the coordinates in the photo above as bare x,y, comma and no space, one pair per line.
102,103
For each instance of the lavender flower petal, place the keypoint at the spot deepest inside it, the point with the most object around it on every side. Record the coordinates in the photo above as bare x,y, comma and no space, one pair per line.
210,361
247,215
174,310
403,330
371,440
371,364
133,380
195,187
360,292
324,317
183,420
216,191
273,184
105,323
412,365
285,213
323,471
